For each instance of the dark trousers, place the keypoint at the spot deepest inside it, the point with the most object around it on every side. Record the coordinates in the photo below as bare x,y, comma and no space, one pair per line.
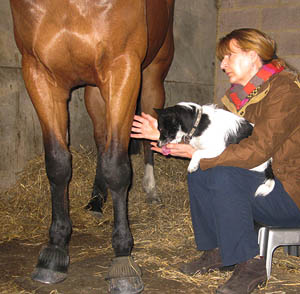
223,210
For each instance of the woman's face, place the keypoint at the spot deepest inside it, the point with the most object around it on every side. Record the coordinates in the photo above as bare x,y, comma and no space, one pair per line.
239,65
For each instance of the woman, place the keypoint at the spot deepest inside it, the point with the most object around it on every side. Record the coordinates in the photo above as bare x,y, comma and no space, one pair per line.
223,206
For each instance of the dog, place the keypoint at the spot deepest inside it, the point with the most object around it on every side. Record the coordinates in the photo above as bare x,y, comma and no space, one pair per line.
210,130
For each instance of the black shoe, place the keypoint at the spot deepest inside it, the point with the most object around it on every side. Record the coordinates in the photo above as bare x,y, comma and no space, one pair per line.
209,260
245,278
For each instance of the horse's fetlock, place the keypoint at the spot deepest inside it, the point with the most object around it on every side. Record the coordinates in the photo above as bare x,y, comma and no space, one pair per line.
60,232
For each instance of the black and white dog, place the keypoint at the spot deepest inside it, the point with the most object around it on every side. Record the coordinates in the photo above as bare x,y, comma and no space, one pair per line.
210,130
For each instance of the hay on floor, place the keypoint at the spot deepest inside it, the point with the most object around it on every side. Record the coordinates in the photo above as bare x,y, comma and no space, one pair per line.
163,235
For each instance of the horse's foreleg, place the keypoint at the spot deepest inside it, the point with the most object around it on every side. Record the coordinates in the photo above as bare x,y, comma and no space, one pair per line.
117,173
124,274
50,104
53,260
120,93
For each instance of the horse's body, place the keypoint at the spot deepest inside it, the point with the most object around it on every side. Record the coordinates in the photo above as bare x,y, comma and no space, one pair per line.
106,45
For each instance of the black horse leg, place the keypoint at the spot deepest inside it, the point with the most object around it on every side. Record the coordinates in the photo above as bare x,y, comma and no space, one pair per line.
117,174
124,274
99,193
53,260
96,108
50,102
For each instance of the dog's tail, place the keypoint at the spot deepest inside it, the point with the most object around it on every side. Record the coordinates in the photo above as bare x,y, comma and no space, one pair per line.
269,183
265,188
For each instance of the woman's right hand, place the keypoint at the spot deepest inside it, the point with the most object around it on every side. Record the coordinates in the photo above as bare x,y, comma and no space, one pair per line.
174,149
144,126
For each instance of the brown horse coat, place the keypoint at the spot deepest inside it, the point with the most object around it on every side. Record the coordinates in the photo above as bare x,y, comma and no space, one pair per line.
117,49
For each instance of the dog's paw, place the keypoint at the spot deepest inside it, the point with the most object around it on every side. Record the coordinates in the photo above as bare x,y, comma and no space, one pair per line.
193,166
194,163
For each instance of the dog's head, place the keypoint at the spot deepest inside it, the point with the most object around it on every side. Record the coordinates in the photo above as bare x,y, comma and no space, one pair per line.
175,122
168,125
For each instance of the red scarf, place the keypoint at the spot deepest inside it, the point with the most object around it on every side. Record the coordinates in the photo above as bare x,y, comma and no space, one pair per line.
240,95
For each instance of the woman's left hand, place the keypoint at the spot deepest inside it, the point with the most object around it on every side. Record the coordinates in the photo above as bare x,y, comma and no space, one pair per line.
180,150
144,126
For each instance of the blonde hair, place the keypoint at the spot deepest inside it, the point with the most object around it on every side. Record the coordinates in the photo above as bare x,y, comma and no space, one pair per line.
251,39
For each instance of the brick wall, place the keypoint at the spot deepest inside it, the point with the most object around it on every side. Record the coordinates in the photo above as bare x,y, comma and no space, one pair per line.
278,18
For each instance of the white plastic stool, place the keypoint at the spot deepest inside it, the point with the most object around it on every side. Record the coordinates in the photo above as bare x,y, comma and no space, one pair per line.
269,238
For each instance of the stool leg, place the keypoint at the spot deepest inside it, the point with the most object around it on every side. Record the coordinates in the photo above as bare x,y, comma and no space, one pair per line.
263,240
269,257
292,250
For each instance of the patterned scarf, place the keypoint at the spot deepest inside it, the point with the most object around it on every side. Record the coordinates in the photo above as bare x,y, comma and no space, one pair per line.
240,95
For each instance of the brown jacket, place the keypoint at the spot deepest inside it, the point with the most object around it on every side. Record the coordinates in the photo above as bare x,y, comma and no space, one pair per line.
275,111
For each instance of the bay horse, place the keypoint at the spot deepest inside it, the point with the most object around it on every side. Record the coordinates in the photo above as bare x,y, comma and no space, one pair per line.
117,49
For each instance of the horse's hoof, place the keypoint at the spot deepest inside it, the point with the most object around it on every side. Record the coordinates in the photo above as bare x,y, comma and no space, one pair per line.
52,265
153,198
126,286
125,276
94,207
96,214
47,276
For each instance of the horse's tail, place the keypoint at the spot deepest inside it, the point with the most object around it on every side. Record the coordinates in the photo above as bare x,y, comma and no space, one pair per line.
135,144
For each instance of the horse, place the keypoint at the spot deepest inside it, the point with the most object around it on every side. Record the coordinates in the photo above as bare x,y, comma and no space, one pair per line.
118,50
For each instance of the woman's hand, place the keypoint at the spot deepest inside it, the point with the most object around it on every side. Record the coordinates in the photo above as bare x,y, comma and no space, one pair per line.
144,127
179,150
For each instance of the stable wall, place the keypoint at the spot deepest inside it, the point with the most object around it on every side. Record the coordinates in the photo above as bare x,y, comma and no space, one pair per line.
191,76
278,18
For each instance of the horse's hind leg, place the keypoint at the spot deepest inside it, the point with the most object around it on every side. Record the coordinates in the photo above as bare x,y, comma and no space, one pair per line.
153,96
96,108
50,104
